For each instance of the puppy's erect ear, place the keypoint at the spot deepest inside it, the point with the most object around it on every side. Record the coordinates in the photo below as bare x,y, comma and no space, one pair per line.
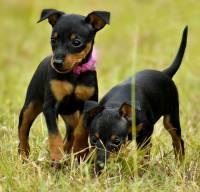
52,14
92,108
98,19
126,110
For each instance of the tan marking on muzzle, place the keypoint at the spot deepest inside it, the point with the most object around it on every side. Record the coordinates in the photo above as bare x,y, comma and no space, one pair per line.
73,59
52,60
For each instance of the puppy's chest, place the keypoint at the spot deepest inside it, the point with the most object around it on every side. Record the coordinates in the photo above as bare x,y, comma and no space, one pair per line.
63,88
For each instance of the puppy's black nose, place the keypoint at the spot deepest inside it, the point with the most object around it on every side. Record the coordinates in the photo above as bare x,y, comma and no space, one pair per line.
58,63
100,164
99,167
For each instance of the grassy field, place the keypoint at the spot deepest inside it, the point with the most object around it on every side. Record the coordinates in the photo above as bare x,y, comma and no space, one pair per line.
142,34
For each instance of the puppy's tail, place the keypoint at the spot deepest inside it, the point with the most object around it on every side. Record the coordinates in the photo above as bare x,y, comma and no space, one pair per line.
172,69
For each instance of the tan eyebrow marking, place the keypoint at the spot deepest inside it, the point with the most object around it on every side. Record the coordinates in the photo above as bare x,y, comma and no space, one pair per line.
113,137
97,135
72,36
55,35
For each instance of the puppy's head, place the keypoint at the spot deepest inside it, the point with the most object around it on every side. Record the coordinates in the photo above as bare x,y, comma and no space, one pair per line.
108,129
73,36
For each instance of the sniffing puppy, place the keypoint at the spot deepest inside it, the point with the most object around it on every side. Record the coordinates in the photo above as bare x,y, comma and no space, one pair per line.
64,80
110,121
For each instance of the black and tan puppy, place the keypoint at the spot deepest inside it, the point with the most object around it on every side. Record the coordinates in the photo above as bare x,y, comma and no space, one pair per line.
64,80
109,121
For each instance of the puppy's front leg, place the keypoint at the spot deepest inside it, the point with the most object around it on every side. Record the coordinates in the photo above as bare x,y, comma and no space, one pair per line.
54,136
80,144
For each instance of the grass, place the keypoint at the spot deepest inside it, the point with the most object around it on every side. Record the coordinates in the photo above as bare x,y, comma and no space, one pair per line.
141,35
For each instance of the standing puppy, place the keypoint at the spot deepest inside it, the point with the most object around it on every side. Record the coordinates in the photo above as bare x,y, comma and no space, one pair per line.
64,80
109,122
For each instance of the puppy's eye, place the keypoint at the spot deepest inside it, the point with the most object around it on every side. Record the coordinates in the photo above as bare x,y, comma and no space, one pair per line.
76,42
93,140
117,141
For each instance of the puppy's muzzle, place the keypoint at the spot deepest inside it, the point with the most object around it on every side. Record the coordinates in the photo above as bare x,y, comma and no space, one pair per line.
102,156
58,63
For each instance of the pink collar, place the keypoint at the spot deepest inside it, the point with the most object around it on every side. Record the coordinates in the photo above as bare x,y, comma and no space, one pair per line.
89,66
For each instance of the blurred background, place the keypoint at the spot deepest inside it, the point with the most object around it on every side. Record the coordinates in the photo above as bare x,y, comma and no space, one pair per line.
142,34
